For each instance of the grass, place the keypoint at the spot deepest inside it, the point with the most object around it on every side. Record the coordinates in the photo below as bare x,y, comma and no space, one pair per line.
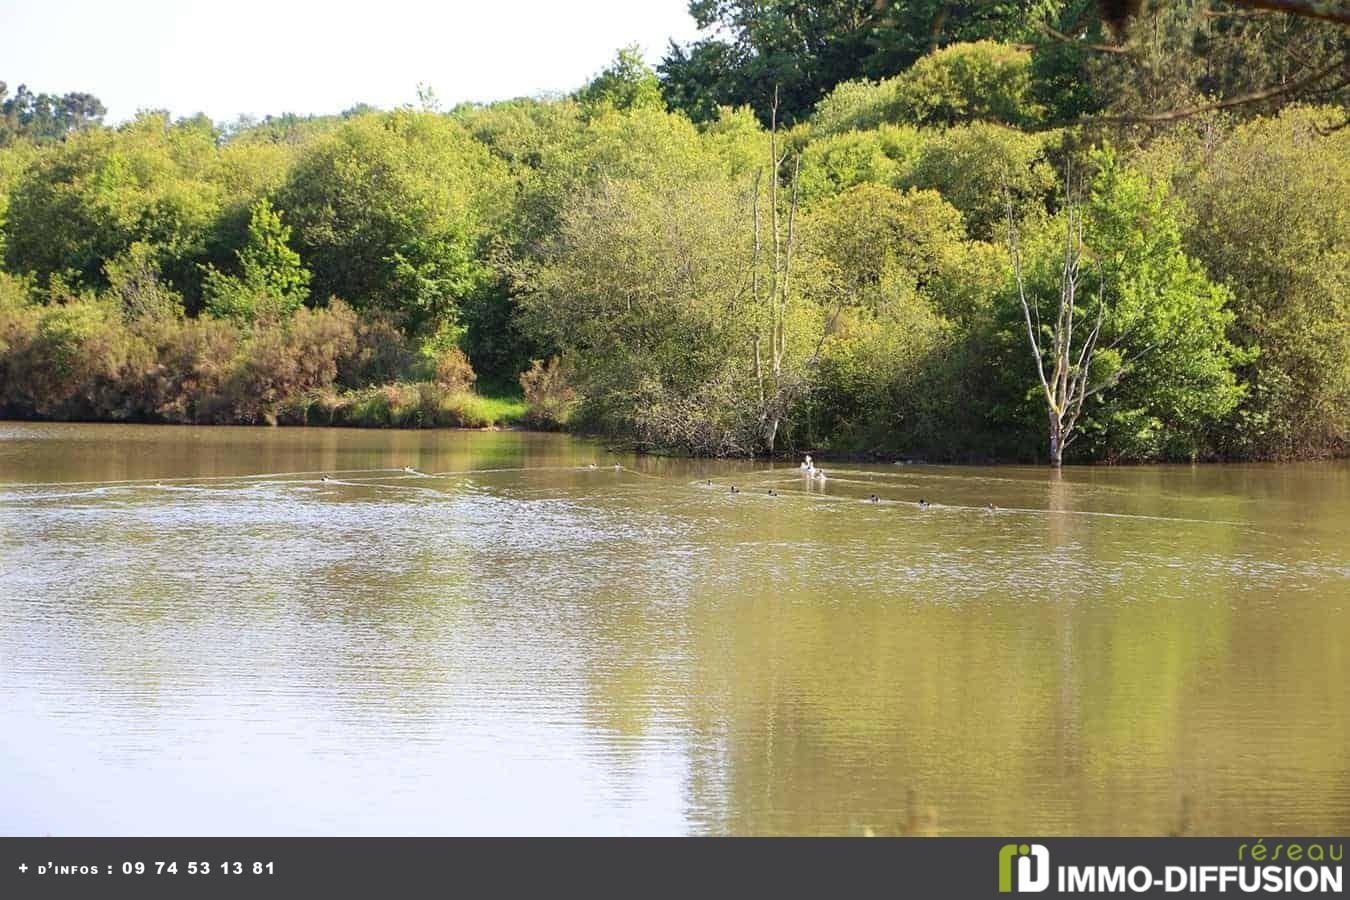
493,410
404,405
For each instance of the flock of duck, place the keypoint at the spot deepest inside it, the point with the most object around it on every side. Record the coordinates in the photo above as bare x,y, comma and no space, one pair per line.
808,469
811,472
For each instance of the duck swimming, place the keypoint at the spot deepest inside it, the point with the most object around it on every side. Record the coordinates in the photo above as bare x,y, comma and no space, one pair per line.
772,492
735,490
923,504
410,470
807,466
325,479
874,499
818,474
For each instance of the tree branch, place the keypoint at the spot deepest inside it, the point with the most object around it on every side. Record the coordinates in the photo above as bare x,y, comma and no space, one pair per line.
1307,9
1066,39
1254,97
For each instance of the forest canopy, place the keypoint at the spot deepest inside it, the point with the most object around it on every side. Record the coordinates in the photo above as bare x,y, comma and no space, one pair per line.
840,226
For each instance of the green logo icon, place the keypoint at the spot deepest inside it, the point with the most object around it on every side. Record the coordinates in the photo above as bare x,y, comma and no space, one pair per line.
1033,868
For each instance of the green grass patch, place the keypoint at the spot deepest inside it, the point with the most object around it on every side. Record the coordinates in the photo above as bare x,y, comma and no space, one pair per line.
419,404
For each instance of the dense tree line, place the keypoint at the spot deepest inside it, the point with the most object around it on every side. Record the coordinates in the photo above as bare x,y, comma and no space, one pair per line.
959,223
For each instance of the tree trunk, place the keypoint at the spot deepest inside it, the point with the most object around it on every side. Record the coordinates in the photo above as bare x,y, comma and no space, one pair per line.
1056,441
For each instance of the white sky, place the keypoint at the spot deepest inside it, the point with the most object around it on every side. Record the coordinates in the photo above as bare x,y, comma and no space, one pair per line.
226,57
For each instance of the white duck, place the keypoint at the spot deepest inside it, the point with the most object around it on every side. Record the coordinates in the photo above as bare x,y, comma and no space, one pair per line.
807,466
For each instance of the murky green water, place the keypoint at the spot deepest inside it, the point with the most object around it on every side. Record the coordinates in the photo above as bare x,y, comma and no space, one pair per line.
200,635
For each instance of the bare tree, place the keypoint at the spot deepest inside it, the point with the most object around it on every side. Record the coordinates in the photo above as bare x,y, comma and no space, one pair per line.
777,388
1064,358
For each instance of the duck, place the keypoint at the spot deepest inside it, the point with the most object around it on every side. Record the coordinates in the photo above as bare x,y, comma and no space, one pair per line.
735,490
990,507
874,499
592,466
618,468
410,470
818,474
772,492
807,466
923,504
325,479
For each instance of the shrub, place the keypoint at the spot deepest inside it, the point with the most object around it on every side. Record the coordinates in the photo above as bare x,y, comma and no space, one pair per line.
454,373
281,360
550,398
193,360
381,353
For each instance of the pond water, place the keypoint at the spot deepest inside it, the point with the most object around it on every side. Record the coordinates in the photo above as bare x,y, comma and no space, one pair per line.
201,635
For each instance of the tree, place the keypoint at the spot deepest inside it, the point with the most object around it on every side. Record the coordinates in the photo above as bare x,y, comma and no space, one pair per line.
391,212
83,202
271,282
837,162
627,83
1128,304
1147,65
1267,204
777,388
790,53
644,289
971,165
46,117
967,82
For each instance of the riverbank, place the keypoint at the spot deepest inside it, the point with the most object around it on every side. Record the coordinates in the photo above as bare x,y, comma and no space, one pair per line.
406,405
414,406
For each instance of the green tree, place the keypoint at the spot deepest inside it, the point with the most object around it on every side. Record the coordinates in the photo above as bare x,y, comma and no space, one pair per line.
970,165
627,83
1127,336
884,155
83,202
391,212
800,51
271,282
1268,206
46,117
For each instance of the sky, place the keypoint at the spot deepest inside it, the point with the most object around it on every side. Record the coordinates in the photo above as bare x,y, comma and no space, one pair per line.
254,57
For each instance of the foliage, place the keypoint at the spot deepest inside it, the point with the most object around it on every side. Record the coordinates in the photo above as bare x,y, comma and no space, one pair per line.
970,165
981,81
884,155
454,373
800,51
401,405
45,117
1268,216
627,83
271,282
666,313
701,284
390,210
83,202
550,398
1161,374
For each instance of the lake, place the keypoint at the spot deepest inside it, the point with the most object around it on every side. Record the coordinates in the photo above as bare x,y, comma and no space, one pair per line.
201,635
